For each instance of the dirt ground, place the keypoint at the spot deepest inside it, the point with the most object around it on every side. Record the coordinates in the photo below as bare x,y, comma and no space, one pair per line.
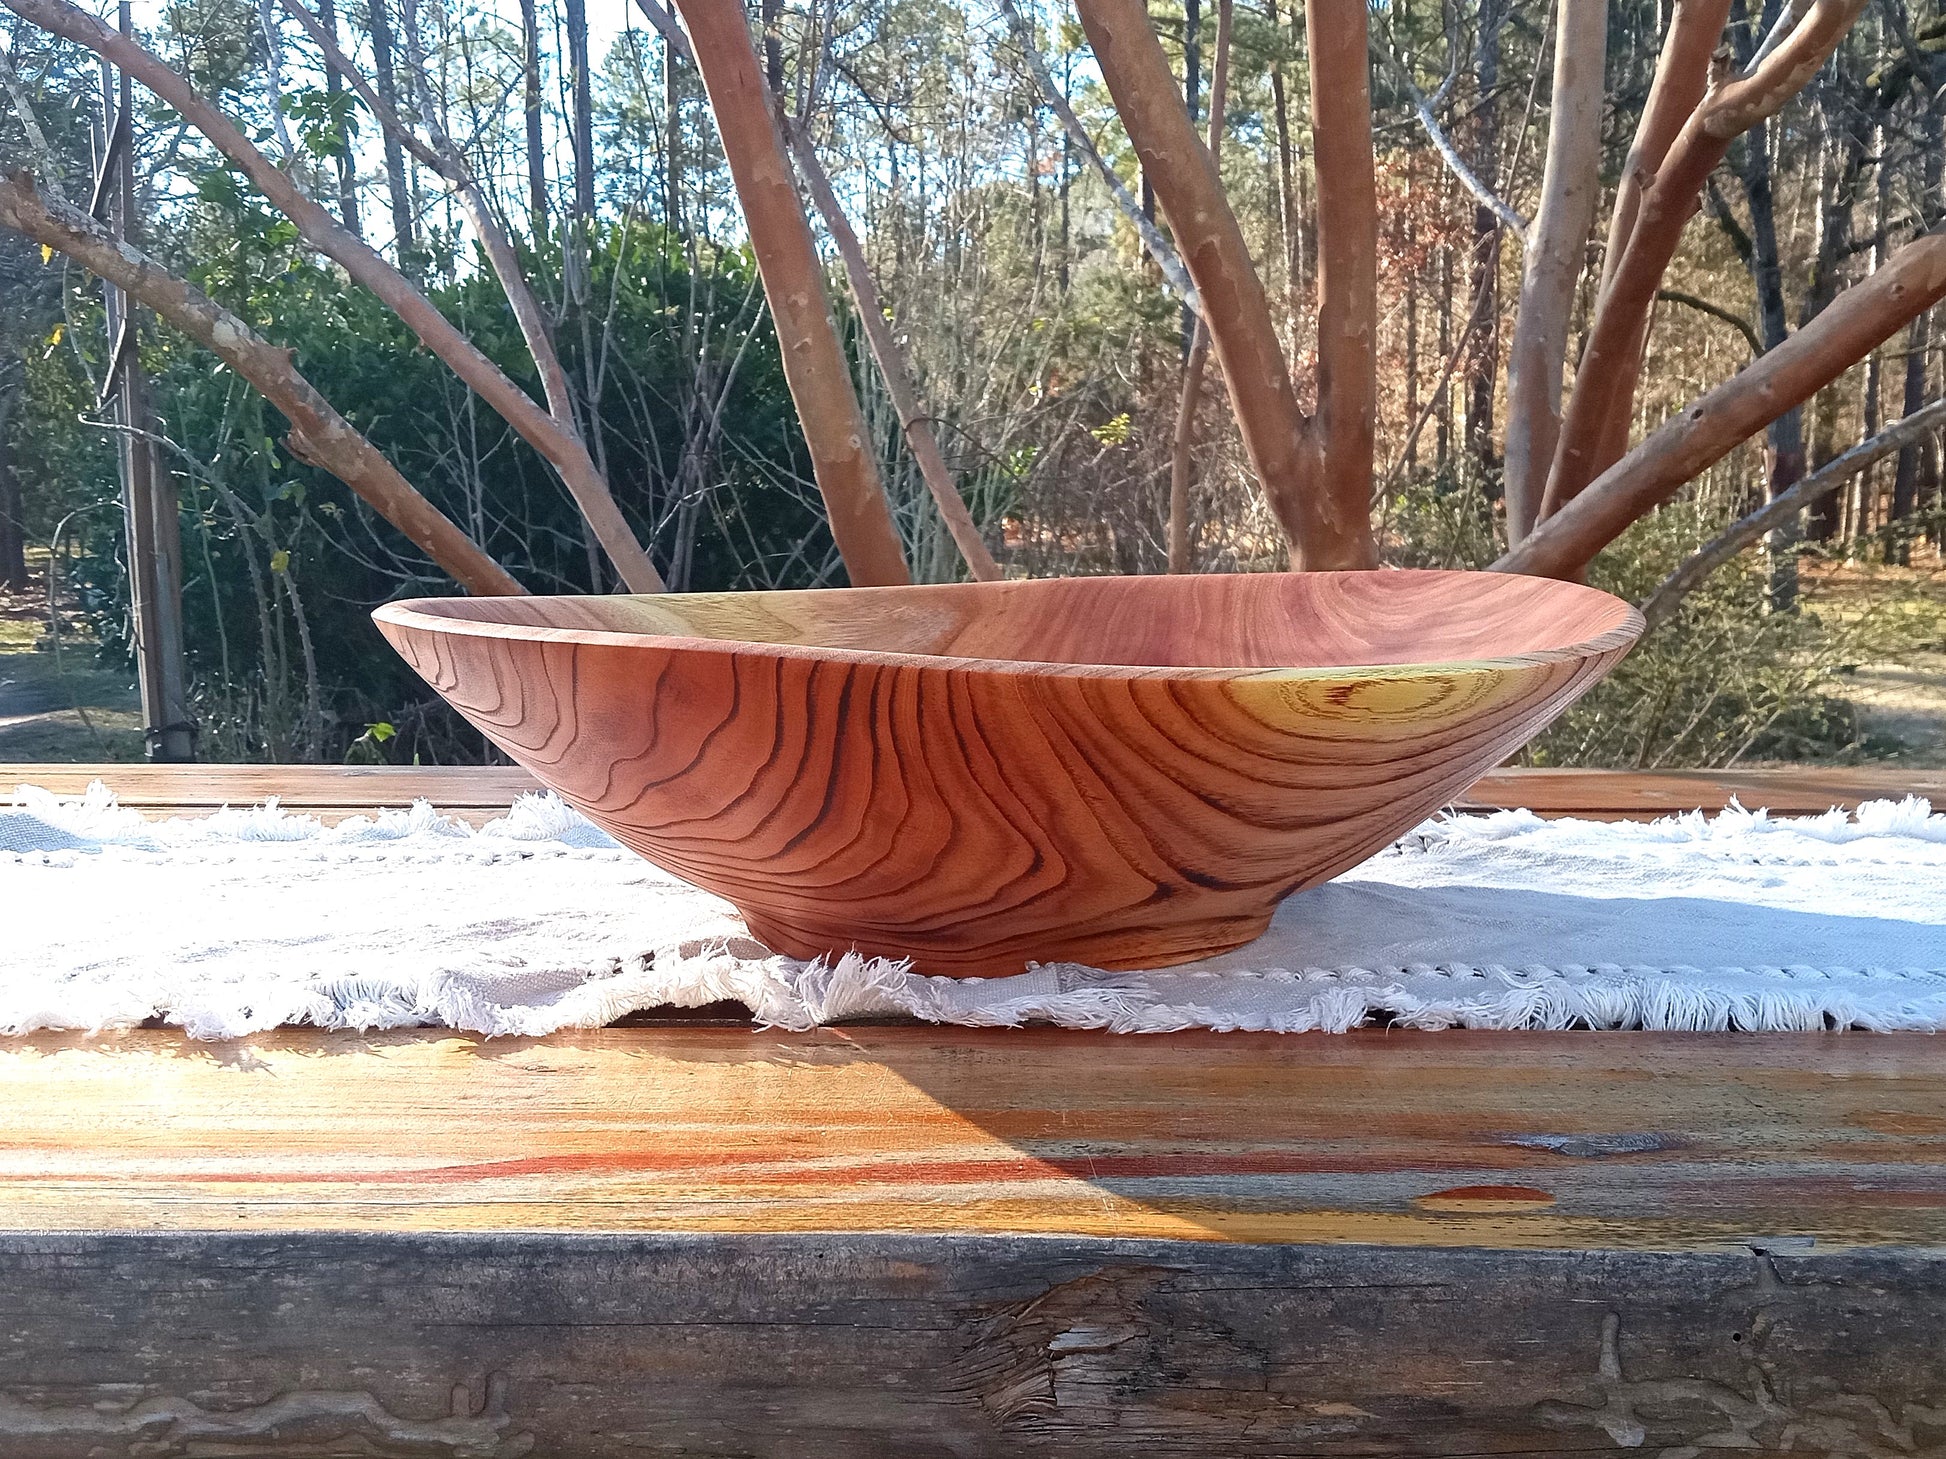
1900,699
59,707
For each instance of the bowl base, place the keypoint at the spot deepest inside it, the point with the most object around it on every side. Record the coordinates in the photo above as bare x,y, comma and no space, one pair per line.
1127,949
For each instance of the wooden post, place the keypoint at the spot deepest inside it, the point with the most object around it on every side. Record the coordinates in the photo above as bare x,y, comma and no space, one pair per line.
149,504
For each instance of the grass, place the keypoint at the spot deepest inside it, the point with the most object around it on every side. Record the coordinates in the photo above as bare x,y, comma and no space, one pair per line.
70,710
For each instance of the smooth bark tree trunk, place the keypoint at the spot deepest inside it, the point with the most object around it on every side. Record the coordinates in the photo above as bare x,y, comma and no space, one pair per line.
1337,39
13,510
1557,252
530,105
815,365
345,165
405,233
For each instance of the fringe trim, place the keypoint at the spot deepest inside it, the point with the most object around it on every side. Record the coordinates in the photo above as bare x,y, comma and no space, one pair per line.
797,996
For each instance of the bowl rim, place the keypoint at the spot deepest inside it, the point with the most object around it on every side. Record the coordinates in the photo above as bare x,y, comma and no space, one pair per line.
412,613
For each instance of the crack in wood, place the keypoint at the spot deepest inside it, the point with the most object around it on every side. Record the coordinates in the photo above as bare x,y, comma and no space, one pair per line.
1704,1414
302,1424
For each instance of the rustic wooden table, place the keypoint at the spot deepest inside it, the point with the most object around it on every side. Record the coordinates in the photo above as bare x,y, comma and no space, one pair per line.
700,1238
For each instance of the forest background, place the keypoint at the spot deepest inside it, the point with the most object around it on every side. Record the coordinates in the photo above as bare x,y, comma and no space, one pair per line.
1047,349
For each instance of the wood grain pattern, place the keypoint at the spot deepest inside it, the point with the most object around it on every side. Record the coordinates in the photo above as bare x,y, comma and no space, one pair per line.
1612,1141
399,1346
954,1245
481,792
1126,772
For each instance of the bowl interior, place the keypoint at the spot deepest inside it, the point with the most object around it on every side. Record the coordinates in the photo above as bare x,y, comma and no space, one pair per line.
1232,621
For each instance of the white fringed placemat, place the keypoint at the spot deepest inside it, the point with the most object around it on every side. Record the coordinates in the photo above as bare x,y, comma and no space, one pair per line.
252,918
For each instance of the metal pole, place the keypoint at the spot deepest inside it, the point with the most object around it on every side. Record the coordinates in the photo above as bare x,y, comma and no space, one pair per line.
149,502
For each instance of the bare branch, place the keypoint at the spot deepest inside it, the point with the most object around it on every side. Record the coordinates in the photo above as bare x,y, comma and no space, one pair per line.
1153,240
815,367
1450,155
891,362
1605,383
1857,322
1715,311
560,445
658,15
318,434
1557,251
1783,509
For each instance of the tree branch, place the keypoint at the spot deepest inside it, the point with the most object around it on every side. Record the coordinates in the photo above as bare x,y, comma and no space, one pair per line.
445,159
815,366
1450,155
1557,251
1849,328
1715,311
1153,239
318,433
1604,386
872,315
561,446
1663,602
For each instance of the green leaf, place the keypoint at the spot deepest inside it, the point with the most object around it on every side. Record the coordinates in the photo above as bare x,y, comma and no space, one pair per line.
280,560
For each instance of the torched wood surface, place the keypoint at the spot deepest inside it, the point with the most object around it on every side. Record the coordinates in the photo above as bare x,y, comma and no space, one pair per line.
1117,771
1453,1139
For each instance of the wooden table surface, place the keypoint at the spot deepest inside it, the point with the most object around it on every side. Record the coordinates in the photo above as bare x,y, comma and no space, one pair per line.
705,1238
1619,1141
480,792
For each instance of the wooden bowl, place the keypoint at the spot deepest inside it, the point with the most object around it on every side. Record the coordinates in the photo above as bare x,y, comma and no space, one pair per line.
1124,772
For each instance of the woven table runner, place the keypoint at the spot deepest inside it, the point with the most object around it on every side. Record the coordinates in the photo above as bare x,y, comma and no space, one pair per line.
248,919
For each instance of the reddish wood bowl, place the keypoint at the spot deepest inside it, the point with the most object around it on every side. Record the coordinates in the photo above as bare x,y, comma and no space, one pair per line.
1125,772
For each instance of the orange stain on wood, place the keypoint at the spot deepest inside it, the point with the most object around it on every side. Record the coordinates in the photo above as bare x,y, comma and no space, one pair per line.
1480,1199
1217,1137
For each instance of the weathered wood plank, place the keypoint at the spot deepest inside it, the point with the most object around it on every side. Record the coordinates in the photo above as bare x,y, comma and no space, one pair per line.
1634,794
331,792
1511,1141
822,1347
334,791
